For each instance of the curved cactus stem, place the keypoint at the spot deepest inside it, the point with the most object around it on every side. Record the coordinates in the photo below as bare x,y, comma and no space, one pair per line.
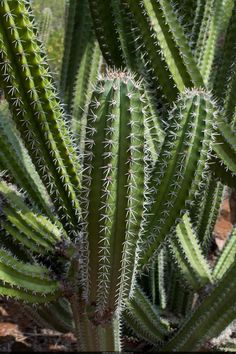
113,187
27,296
198,18
181,166
144,319
181,44
79,45
34,231
108,38
25,276
224,164
210,318
39,117
203,30
55,315
188,253
15,159
226,258
165,36
226,54
208,49
229,103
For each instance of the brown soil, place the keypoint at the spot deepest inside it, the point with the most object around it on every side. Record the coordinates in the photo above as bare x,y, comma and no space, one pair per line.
18,333
223,225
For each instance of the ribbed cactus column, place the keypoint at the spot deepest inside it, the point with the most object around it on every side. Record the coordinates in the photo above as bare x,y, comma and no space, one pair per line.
113,190
181,166
36,109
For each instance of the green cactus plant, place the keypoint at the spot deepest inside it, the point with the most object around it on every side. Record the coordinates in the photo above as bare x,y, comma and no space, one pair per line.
110,186
45,25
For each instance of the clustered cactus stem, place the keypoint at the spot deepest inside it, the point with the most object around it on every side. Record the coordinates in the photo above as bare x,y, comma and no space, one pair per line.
110,186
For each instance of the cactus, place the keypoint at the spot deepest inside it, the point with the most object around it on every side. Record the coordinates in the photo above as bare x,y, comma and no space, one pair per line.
15,159
144,319
113,187
110,187
188,254
181,164
45,25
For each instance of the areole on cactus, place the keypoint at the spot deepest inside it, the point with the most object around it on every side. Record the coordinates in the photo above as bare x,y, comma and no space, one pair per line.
111,185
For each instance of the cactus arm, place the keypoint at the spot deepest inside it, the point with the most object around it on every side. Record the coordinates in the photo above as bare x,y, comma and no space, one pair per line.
207,212
95,189
225,146
197,22
134,194
171,195
70,20
22,71
161,278
188,253
27,296
227,257
203,30
214,314
15,202
57,315
181,43
45,25
116,183
86,79
222,173
15,159
81,41
144,318
50,317
107,36
26,276
226,54
209,50
22,238
33,230
126,31
167,38
152,54
157,279
229,103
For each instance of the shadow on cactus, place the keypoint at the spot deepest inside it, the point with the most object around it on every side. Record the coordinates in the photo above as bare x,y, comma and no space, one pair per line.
109,194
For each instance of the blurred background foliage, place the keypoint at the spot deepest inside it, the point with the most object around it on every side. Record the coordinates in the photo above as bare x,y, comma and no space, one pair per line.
54,47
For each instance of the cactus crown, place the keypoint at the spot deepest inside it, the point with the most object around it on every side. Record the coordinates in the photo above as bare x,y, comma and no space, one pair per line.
110,186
